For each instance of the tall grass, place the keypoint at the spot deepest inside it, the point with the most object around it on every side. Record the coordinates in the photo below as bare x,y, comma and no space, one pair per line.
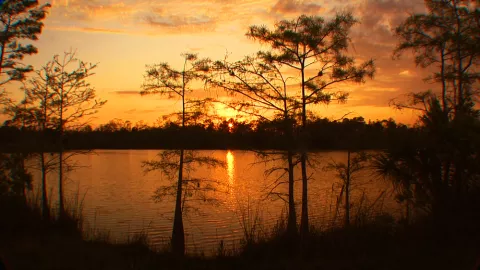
250,221
74,217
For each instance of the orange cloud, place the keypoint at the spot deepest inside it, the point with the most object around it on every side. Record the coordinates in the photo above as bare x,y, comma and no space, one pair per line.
127,92
90,10
122,43
296,6
406,73
186,22
88,29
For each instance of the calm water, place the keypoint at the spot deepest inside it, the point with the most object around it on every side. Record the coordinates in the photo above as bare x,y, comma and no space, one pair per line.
118,196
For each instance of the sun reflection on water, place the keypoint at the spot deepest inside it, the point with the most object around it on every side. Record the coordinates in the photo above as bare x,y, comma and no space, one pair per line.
230,168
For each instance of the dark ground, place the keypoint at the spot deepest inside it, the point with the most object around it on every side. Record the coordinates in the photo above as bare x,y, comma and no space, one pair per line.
28,242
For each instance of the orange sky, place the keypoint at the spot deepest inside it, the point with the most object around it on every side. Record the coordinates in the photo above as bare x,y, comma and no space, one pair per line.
125,35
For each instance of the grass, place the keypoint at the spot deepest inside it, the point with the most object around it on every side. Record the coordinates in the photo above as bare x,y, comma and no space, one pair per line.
379,242
28,242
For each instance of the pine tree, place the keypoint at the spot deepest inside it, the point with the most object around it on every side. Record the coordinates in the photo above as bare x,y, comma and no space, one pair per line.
20,20
316,50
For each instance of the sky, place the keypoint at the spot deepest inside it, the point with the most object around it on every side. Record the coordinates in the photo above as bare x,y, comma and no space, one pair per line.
123,36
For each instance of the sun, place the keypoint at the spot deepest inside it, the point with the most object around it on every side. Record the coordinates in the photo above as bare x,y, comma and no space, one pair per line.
230,125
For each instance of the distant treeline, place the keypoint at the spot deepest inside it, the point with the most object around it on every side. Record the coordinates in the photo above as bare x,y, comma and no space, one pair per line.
323,134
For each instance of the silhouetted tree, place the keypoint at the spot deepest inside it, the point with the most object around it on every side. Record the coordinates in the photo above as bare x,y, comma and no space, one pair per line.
260,89
316,49
20,20
14,178
115,125
35,113
193,188
164,80
347,173
72,101
447,36
435,169
212,134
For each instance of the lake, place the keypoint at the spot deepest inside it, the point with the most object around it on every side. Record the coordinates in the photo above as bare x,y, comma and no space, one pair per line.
117,196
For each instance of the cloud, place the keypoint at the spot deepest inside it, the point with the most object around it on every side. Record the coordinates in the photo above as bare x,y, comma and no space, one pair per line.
194,49
296,6
374,38
147,17
406,73
180,21
87,29
102,30
88,10
136,111
127,92
379,18
373,98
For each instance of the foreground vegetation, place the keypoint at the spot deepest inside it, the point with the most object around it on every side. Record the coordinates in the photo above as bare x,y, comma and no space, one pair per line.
29,242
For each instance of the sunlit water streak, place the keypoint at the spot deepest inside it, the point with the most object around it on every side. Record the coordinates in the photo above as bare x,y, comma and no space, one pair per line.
118,196
231,167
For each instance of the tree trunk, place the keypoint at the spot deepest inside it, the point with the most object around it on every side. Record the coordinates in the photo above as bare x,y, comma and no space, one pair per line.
24,184
347,192
3,43
61,207
444,81
292,215
45,208
43,124
461,94
304,224
178,234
